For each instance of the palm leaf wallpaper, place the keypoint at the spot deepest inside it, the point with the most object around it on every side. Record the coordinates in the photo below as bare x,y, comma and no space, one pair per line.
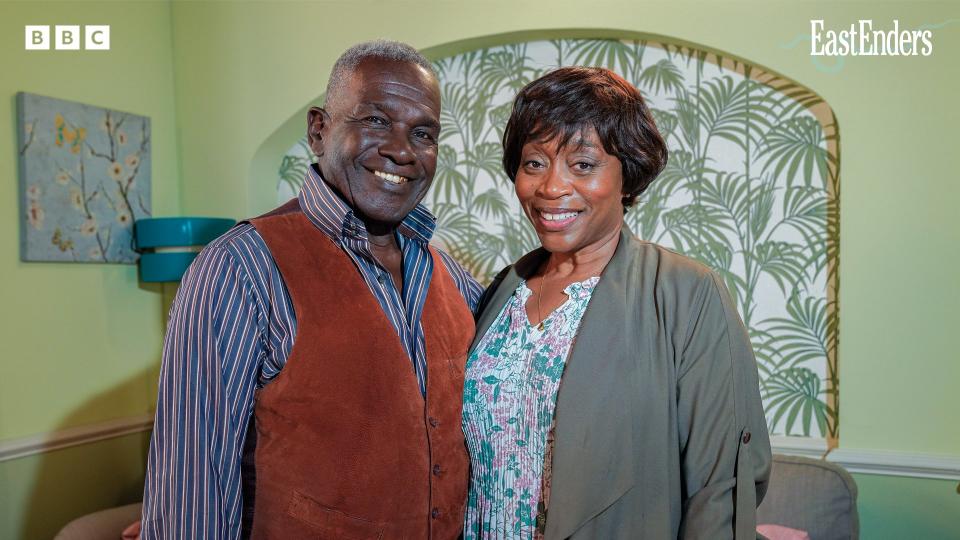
751,189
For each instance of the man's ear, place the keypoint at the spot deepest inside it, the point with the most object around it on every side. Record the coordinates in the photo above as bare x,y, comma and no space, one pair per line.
318,121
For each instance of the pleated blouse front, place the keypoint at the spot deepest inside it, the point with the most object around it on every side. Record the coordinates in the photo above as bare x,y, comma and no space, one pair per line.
510,393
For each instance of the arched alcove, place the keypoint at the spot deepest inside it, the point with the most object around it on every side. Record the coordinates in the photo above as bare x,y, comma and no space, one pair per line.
751,188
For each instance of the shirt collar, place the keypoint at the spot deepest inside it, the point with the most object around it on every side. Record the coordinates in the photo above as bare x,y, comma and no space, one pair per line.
335,218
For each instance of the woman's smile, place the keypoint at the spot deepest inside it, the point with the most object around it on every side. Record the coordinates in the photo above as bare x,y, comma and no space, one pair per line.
556,219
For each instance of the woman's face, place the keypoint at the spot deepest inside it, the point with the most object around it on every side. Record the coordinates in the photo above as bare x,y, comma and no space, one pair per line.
573,194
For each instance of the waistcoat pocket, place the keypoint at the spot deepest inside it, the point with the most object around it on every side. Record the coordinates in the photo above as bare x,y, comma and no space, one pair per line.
330,523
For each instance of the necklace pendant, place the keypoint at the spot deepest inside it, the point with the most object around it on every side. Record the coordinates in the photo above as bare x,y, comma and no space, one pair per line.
540,326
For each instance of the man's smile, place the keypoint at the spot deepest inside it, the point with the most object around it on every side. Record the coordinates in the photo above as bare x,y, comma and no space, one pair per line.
392,178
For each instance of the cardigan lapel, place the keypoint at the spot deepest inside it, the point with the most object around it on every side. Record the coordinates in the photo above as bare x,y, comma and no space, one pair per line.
593,459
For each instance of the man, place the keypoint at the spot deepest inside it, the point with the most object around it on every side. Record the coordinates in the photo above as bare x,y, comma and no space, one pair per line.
313,364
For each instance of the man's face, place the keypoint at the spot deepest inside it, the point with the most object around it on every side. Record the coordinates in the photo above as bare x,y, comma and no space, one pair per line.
377,142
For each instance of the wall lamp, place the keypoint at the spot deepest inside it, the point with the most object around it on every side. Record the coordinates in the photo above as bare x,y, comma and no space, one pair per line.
168,245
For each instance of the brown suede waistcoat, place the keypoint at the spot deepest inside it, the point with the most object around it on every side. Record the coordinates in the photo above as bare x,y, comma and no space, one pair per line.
347,448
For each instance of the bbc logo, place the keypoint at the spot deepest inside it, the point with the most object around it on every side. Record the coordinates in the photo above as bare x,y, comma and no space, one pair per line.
67,38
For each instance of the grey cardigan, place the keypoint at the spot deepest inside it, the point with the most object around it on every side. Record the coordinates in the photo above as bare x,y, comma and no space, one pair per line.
660,431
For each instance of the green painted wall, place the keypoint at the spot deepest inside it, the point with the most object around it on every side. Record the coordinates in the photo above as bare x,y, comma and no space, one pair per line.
73,332
242,70
893,508
81,343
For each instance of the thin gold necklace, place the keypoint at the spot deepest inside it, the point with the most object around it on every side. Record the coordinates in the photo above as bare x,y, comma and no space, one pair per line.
539,297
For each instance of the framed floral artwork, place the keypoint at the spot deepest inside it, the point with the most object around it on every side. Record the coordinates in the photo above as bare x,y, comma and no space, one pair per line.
84,180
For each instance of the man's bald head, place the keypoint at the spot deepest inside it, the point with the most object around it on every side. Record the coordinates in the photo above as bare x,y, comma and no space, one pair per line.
379,49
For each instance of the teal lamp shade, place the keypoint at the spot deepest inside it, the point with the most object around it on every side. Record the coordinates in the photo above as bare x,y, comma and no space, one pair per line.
167,246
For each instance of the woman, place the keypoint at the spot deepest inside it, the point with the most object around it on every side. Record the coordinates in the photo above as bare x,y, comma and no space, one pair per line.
611,391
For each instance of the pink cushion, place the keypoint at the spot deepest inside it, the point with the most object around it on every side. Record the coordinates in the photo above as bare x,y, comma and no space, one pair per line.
779,532
132,532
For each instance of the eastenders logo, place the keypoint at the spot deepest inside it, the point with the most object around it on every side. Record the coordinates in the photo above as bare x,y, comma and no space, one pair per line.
862,40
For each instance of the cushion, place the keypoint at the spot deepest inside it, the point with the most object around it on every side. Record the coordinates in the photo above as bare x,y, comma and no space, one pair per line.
102,525
811,495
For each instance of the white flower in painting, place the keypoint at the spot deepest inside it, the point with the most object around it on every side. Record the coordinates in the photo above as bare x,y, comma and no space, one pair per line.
34,192
62,178
76,198
121,138
115,171
89,227
28,129
95,253
132,161
105,123
35,215
123,218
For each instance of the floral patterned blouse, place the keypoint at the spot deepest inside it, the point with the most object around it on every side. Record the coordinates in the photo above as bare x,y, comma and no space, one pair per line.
510,393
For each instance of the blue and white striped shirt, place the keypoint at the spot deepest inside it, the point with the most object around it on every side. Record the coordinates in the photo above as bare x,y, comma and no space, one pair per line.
230,330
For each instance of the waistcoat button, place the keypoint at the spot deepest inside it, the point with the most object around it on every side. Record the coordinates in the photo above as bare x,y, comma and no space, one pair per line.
436,470
435,513
433,422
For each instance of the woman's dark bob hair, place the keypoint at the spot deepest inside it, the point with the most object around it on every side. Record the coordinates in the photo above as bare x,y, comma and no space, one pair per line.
569,100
